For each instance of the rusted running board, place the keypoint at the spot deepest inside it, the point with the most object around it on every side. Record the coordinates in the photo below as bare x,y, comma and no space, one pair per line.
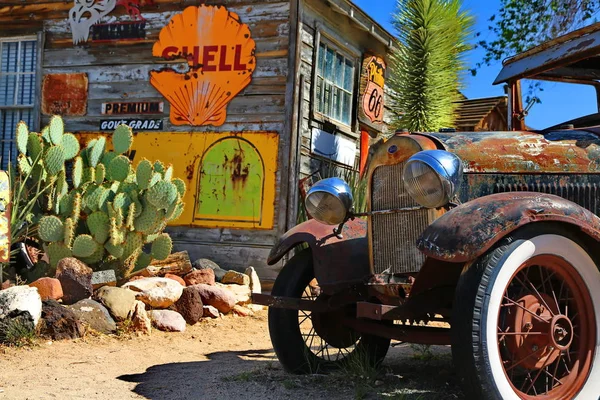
410,334
290,303
380,311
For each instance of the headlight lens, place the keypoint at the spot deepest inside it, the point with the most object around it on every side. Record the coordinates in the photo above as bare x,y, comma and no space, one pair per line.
329,201
433,177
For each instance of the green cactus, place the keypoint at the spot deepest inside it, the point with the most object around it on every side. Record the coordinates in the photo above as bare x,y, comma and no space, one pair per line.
108,210
122,139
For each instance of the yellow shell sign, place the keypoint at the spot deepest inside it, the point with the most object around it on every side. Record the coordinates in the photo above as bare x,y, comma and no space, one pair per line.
220,57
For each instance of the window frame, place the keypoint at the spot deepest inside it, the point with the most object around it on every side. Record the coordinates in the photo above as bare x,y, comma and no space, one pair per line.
335,43
35,107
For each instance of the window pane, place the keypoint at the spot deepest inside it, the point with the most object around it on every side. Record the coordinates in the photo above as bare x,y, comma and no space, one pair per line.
327,99
348,76
329,58
9,56
8,124
339,70
26,89
7,89
346,108
28,56
320,59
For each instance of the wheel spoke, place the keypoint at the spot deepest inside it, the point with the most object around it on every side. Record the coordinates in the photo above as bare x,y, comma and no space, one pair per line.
524,359
525,309
539,296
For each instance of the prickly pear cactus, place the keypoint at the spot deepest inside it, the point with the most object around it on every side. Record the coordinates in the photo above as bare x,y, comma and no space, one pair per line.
104,210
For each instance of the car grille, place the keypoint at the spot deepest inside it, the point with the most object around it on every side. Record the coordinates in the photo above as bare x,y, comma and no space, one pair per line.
394,235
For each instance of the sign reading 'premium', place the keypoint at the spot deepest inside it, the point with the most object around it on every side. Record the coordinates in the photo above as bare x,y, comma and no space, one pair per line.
143,107
220,54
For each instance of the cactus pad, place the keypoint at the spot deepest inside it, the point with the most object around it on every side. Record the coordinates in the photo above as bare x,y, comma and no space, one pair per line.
143,174
180,185
162,194
159,167
34,145
22,137
100,174
89,175
122,139
161,247
117,236
133,243
121,201
99,225
23,164
143,260
56,128
69,233
115,251
54,160
96,256
51,228
130,216
84,246
108,157
96,151
57,251
77,174
70,145
168,173
118,169
178,211
148,219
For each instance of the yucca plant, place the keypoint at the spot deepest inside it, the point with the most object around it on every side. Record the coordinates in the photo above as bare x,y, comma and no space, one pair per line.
427,66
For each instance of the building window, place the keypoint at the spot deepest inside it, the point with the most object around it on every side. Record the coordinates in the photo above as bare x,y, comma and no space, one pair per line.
18,90
335,84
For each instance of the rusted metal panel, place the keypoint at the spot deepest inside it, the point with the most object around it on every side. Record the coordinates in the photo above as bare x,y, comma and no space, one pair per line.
466,232
230,177
65,94
335,260
221,57
4,217
565,151
565,50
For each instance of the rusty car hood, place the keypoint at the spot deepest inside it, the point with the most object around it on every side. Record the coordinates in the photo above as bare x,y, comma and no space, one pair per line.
557,151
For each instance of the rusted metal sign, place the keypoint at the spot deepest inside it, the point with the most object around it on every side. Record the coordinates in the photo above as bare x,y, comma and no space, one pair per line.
64,94
135,124
140,107
371,91
231,177
220,54
4,217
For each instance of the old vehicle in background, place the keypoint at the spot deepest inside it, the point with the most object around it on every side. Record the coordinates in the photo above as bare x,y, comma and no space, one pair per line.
488,241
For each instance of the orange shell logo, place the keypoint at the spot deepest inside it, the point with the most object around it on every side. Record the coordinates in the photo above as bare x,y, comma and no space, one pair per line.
220,55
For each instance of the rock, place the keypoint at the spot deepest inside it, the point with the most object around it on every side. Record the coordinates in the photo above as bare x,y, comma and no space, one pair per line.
6,284
59,322
241,311
236,277
104,278
15,326
120,302
176,278
94,315
75,278
141,320
210,311
206,276
254,281
48,288
189,305
21,298
255,307
156,292
137,277
219,274
167,320
241,293
205,263
218,297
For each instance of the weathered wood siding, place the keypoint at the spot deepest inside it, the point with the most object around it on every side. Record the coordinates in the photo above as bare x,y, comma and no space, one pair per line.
120,72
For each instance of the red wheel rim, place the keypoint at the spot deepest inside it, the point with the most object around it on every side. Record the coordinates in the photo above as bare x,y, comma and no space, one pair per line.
546,329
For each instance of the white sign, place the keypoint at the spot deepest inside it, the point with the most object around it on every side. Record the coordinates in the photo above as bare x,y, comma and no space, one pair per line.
334,147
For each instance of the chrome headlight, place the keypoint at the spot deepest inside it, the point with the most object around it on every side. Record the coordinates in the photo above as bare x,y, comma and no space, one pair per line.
433,177
329,201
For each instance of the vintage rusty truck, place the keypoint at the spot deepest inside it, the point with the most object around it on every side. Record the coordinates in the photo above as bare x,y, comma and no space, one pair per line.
485,241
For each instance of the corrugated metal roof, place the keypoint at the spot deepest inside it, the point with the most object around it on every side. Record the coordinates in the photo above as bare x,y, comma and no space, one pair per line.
471,112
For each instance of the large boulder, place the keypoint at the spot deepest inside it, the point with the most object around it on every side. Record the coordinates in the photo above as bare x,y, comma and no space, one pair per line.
237,278
48,288
59,322
156,292
242,293
220,298
167,320
206,276
141,321
75,278
190,305
119,302
94,315
176,278
104,278
21,298
16,325
255,286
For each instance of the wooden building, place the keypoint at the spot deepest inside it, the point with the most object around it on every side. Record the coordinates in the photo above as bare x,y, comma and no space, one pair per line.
243,97
483,114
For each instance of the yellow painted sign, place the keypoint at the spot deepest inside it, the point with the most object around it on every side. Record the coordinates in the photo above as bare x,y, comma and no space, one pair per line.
372,84
220,56
230,177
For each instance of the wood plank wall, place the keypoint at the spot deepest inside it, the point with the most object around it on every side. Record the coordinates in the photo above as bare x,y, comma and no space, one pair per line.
119,72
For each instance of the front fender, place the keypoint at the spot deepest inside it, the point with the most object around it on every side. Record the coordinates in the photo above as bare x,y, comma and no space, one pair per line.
468,231
334,260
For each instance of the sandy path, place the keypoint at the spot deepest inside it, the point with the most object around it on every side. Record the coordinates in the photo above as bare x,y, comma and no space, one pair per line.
229,358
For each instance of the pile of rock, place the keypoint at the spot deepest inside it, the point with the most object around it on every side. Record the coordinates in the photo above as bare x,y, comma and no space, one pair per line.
165,297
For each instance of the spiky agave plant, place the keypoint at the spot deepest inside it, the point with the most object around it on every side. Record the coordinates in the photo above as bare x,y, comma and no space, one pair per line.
427,66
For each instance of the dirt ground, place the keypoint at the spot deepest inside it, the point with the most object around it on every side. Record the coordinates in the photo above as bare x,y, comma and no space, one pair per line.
228,358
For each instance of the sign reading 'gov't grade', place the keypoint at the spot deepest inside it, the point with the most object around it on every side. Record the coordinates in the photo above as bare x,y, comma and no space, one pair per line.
219,53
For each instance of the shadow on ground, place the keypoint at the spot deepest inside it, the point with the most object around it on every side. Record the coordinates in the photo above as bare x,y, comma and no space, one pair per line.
409,372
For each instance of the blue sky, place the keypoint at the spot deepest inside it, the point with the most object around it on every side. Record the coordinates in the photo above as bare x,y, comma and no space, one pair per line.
560,102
